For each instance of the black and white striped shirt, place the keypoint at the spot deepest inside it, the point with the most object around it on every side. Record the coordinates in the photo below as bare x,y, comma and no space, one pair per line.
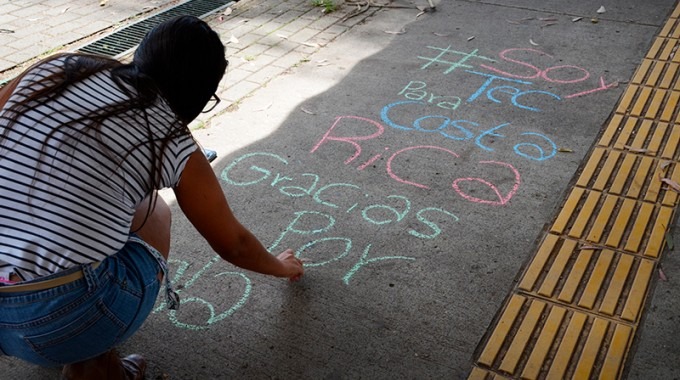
64,199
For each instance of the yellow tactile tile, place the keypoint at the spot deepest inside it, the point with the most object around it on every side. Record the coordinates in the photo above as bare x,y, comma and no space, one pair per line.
591,349
642,71
567,210
538,263
638,291
669,75
585,215
501,331
627,99
657,235
656,47
545,341
616,284
611,130
567,346
521,338
557,268
596,279
643,97
618,347
671,146
576,307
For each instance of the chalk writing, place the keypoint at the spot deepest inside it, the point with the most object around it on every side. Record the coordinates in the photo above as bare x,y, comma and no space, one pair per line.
450,129
325,223
452,64
238,173
558,74
214,316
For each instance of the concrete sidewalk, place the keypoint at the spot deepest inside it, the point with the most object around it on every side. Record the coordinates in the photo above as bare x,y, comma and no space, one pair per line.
446,174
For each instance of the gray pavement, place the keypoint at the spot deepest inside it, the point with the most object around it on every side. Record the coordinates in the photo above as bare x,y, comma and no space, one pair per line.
328,144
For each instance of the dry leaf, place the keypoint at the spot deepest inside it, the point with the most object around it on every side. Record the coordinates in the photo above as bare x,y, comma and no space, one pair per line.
393,32
471,38
307,111
6,31
637,150
662,275
419,14
664,164
594,20
282,36
674,185
601,10
102,2
575,19
65,9
264,108
532,42
565,150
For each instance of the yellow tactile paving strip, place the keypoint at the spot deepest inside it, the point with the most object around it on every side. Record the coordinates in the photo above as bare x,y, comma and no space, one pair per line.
576,308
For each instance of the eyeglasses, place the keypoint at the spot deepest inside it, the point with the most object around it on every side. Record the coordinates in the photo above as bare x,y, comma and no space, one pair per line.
212,103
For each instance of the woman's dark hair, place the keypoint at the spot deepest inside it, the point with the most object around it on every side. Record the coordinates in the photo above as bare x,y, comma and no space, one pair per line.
182,60
185,59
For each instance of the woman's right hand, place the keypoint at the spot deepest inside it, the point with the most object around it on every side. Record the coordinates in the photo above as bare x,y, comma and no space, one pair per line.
293,265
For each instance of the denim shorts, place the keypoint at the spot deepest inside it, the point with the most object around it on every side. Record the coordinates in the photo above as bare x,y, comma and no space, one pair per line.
87,317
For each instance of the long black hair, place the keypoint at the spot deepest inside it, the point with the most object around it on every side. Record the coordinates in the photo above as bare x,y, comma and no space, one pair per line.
181,60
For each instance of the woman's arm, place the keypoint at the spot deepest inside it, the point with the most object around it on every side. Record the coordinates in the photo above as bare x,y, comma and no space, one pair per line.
201,199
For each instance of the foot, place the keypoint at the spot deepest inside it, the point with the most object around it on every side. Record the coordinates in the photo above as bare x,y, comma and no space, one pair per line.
107,366
134,366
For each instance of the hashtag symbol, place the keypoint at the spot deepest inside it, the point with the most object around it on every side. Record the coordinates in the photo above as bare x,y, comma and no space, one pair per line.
452,64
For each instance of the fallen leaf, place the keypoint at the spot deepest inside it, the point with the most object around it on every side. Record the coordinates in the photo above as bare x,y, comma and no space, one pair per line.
532,42
674,185
65,9
282,36
420,14
662,275
588,247
393,32
233,39
669,241
322,61
637,150
575,19
471,38
594,20
227,11
565,150
601,10
310,44
307,111
264,108
441,34
664,164
102,2
6,31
